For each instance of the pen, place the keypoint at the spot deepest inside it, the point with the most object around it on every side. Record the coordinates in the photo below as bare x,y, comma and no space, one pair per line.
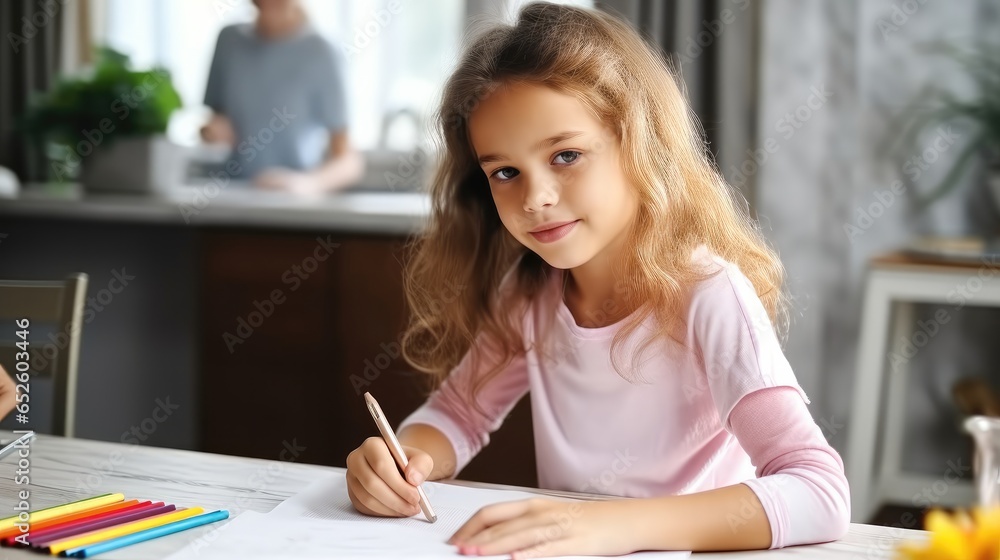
16,444
397,451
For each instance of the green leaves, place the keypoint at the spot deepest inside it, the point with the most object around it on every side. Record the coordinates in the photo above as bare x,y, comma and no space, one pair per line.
113,99
982,112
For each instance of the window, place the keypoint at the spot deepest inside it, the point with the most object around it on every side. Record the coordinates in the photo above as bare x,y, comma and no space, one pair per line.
514,5
396,61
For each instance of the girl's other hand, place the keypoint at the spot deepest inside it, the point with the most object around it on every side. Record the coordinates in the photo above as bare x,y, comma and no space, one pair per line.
8,393
541,527
375,485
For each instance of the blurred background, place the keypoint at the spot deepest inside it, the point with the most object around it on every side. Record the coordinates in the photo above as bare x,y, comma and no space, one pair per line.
238,181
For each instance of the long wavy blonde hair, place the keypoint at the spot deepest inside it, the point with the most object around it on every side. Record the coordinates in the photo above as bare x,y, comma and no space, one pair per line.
453,280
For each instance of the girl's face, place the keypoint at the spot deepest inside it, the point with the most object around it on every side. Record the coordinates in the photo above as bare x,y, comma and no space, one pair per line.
555,174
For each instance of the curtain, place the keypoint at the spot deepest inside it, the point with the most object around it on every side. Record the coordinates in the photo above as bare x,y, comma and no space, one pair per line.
30,63
713,43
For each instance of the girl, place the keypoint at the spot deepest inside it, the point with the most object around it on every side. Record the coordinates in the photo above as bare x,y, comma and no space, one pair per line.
8,393
584,249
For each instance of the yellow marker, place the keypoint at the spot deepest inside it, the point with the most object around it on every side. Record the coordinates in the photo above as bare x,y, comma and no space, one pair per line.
122,530
56,511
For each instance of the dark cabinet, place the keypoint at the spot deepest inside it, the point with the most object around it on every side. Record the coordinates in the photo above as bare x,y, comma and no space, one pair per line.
294,328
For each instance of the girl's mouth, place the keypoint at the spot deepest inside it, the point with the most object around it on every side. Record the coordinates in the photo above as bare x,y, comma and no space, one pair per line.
553,232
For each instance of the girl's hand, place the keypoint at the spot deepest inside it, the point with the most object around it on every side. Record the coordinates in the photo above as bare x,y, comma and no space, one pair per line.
375,485
8,393
539,527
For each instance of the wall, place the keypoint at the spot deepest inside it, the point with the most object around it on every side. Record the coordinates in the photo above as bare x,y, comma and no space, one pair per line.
862,68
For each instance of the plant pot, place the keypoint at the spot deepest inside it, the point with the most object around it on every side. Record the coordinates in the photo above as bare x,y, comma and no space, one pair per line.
139,164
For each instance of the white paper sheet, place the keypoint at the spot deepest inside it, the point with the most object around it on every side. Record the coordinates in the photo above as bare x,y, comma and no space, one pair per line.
320,522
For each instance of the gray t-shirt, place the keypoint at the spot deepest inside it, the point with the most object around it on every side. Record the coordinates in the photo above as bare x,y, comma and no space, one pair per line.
284,97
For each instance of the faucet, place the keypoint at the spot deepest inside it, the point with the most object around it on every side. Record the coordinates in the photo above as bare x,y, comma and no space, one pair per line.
390,118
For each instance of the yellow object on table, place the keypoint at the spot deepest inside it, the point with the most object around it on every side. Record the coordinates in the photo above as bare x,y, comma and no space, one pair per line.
100,535
64,509
958,536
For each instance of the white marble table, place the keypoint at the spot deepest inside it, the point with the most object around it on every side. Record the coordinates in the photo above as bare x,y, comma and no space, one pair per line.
63,470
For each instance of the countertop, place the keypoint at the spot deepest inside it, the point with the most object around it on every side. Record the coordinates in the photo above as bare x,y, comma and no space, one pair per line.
238,204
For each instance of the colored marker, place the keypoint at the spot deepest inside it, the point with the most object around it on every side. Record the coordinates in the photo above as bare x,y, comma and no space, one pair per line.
56,511
122,530
8,534
43,541
46,534
148,534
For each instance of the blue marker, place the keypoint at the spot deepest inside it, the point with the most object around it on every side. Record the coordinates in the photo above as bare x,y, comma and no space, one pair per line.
148,534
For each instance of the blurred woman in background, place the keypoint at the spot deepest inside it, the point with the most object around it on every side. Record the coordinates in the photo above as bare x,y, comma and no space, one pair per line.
276,90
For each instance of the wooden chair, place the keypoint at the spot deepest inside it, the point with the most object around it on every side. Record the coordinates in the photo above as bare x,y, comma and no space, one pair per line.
54,304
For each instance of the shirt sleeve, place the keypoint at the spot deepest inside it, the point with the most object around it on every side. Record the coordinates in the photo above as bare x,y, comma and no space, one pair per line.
331,94
216,78
801,482
467,427
735,341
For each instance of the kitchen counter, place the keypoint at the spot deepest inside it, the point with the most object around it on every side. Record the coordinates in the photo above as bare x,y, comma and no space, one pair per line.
198,259
356,211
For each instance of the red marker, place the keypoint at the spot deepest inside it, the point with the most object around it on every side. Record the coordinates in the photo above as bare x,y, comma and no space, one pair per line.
7,535
127,518
36,536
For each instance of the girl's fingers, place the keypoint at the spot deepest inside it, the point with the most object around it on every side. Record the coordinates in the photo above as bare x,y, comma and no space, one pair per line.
367,503
358,503
385,467
487,517
526,539
420,466
565,547
514,534
381,490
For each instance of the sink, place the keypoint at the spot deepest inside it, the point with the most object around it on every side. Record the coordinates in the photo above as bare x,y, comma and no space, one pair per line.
396,170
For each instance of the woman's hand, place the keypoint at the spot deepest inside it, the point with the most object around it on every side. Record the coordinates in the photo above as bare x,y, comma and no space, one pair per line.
540,527
219,130
375,485
281,179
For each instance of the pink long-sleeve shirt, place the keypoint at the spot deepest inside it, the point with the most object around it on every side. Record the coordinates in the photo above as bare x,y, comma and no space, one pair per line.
723,410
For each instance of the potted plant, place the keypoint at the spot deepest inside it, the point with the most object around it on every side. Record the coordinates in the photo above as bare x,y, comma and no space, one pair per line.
112,124
981,113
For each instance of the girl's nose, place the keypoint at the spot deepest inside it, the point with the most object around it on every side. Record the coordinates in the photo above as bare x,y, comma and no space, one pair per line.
540,193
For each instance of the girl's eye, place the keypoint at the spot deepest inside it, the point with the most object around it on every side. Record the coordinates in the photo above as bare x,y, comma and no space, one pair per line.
505,173
569,156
